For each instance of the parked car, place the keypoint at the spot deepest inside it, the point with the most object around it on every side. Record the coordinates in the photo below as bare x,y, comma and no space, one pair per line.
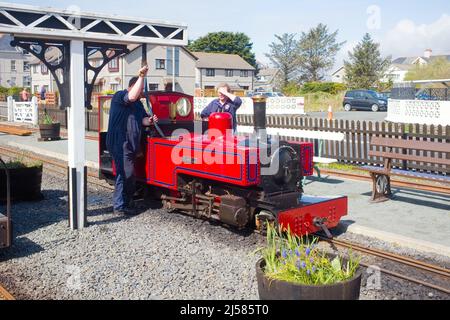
267,94
364,100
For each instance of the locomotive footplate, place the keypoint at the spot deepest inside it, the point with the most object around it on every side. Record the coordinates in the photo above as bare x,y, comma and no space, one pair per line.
309,214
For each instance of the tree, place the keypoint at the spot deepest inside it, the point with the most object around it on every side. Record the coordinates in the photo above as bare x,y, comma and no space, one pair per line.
285,56
318,49
226,42
366,67
437,69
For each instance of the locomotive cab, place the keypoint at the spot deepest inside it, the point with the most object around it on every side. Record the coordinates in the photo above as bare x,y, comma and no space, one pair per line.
174,110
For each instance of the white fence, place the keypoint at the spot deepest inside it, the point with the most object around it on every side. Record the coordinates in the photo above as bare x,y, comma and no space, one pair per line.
419,111
23,112
275,106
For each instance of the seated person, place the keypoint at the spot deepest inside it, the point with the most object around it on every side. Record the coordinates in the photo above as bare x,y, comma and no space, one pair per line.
227,102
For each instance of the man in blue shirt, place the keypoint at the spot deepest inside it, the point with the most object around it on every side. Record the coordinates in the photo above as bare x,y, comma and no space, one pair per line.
126,118
227,102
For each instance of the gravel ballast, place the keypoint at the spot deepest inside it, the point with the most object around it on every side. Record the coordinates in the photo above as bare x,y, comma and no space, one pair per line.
155,255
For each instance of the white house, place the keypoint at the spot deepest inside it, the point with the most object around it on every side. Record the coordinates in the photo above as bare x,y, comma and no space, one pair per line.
118,72
14,65
338,75
268,80
215,68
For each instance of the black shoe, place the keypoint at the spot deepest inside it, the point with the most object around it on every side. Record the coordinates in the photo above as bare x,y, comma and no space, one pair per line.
126,212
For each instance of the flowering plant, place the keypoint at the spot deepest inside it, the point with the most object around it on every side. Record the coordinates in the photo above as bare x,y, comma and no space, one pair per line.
290,258
47,119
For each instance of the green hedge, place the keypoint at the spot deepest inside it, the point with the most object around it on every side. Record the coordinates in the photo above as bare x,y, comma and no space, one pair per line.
328,87
294,89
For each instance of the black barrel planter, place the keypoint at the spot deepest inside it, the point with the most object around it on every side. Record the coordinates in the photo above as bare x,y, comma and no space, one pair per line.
281,290
25,184
50,131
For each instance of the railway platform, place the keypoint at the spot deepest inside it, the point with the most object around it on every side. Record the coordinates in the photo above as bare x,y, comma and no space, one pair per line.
415,219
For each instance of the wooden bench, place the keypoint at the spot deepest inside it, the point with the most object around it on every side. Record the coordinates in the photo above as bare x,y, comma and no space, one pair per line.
381,175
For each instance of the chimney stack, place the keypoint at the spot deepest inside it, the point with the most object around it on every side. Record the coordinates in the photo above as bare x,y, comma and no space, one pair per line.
428,53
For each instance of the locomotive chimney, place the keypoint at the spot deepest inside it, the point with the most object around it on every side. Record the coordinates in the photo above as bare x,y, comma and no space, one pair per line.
259,113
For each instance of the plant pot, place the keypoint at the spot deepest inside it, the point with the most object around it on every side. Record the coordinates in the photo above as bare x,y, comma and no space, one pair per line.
50,131
282,290
25,184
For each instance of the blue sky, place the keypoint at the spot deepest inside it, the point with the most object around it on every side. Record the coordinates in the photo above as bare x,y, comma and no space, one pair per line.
402,27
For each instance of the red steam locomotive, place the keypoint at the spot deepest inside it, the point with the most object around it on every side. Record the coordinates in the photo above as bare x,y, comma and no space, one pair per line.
202,169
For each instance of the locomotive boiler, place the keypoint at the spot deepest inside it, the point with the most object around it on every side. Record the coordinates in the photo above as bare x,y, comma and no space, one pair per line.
205,170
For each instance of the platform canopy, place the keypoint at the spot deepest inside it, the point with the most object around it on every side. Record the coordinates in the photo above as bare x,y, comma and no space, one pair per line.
78,35
31,21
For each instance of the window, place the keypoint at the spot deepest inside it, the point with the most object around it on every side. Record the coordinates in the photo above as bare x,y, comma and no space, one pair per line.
36,89
160,64
26,66
98,88
244,87
44,69
12,83
114,87
210,72
13,65
35,68
113,65
228,73
153,86
244,73
27,81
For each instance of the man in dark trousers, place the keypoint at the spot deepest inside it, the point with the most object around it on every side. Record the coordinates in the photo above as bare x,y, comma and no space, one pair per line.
127,116
227,102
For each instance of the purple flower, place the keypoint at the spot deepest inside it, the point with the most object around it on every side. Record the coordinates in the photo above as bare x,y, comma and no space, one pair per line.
308,251
284,254
314,269
311,260
298,264
297,252
303,265
308,272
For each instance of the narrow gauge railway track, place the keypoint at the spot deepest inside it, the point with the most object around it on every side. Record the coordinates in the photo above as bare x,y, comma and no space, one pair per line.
417,264
434,270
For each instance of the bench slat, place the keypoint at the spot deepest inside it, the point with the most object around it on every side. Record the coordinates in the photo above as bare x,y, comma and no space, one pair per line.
411,144
399,156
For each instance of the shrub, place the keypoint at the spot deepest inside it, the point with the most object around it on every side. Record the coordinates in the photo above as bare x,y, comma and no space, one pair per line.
292,89
290,258
14,91
328,87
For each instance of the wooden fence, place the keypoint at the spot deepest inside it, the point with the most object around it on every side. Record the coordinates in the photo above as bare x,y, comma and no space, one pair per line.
353,149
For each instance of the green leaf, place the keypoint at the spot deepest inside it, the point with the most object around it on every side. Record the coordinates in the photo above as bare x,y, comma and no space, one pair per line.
336,264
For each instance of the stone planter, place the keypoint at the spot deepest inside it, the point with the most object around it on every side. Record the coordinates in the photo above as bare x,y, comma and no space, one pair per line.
50,131
281,290
25,184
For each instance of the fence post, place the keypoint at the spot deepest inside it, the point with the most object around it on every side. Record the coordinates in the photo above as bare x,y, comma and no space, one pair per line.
10,104
34,106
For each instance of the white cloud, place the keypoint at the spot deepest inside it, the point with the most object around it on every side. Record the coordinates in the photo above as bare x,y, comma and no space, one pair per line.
410,39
